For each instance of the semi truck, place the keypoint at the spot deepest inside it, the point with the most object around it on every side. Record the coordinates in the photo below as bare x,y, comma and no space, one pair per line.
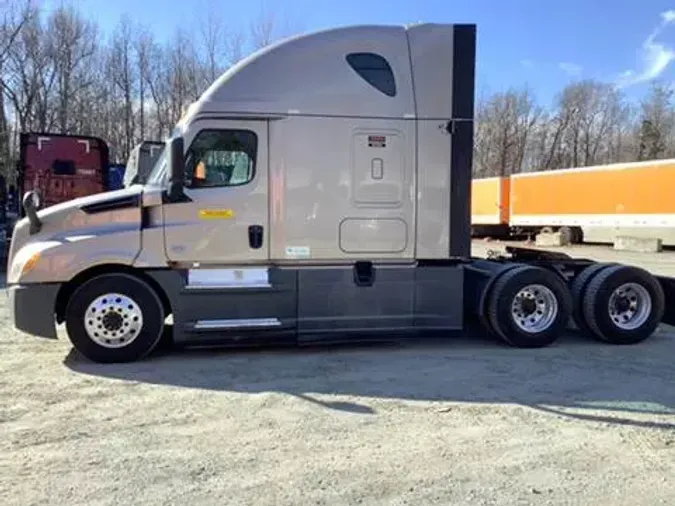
62,167
319,191
595,203
141,160
58,168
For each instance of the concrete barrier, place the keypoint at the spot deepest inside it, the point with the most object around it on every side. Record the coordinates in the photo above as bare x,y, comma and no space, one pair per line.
638,244
550,240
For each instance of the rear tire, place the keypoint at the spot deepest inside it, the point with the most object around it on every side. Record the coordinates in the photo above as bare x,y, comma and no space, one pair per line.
577,235
623,305
114,318
529,307
579,285
566,235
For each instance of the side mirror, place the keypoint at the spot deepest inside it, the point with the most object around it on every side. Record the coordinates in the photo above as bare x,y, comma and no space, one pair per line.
36,199
176,163
31,203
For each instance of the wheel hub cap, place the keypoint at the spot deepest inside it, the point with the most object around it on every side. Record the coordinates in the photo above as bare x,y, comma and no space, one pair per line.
113,320
534,308
630,306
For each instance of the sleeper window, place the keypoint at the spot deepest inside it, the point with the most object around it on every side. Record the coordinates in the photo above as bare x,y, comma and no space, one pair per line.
221,158
375,70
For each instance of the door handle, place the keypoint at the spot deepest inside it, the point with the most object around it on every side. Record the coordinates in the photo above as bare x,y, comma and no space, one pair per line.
255,236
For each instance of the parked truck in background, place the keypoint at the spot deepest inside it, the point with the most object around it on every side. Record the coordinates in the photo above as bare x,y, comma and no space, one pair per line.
140,162
318,191
57,168
62,167
597,203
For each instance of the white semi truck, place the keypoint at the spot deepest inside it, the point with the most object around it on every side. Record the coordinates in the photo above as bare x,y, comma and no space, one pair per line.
318,191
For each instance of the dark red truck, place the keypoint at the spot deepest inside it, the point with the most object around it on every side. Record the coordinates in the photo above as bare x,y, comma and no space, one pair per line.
62,167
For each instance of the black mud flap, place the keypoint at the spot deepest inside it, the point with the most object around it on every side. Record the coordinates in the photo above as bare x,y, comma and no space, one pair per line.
668,285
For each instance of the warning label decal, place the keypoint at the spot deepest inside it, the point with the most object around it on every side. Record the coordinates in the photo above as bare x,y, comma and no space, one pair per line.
377,141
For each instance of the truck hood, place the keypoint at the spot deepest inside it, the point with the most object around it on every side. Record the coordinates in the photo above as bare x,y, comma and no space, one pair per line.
103,214
52,216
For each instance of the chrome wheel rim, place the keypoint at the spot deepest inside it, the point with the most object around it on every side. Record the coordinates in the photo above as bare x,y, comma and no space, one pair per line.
630,306
534,308
113,320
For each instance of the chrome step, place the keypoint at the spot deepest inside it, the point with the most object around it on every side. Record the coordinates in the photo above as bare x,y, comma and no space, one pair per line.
240,323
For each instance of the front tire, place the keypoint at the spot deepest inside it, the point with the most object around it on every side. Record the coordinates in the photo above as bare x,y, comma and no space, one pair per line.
529,307
114,318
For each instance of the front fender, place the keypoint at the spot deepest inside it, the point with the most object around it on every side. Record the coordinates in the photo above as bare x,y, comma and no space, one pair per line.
60,260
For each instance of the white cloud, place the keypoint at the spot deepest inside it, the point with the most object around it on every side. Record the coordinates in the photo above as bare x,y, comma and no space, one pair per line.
527,63
656,56
571,69
668,16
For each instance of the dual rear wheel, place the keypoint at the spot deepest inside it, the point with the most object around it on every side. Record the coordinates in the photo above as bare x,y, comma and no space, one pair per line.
618,304
531,307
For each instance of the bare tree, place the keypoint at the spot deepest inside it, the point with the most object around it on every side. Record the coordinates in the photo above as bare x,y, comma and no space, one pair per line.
123,73
235,42
143,46
263,30
505,123
72,43
213,42
657,123
15,15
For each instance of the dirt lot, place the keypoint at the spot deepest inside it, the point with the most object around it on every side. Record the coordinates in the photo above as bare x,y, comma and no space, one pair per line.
465,421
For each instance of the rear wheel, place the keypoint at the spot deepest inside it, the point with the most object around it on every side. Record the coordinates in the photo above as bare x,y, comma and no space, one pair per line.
623,305
529,307
566,235
571,235
577,235
114,318
579,285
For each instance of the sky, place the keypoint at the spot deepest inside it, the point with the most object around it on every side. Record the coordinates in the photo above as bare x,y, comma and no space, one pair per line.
542,44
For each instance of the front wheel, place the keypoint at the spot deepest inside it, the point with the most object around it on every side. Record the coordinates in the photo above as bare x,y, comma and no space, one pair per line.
114,318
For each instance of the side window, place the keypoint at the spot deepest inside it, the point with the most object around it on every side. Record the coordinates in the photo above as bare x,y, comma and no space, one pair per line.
375,70
221,158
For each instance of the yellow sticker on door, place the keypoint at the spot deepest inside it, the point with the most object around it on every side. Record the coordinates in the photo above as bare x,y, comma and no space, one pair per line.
216,214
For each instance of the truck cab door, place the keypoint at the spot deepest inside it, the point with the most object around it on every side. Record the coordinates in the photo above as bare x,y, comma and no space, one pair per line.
224,219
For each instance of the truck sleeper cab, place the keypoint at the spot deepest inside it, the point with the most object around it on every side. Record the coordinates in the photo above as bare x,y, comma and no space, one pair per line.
330,202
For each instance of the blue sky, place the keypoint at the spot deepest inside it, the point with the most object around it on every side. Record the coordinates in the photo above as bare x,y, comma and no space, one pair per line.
543,44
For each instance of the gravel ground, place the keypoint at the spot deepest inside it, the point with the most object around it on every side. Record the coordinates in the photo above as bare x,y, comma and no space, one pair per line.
464,421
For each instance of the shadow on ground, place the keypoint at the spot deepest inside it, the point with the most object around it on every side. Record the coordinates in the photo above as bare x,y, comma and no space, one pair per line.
575,378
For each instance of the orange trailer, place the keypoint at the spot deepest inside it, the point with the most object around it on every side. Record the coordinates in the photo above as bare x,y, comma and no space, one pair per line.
490,201
638,194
